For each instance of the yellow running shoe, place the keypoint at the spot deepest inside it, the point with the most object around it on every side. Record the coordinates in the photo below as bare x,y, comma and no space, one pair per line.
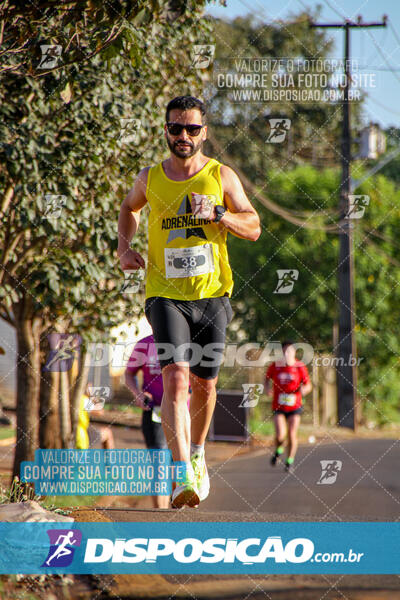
186,493
201,475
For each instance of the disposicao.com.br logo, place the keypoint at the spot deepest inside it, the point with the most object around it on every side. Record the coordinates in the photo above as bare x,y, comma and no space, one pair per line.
62,547
209,548
192,550
247,551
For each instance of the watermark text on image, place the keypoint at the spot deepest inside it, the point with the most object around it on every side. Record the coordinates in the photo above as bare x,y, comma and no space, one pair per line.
329,471
51,54
122,354
288,79
251,394
203,55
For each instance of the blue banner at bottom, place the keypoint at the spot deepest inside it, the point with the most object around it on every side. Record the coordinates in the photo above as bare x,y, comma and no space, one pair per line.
200,548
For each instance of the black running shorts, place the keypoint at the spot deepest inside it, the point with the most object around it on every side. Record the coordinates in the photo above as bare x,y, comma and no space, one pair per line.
192,331
288,413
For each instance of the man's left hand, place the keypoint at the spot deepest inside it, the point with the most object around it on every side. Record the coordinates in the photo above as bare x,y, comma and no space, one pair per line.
203,207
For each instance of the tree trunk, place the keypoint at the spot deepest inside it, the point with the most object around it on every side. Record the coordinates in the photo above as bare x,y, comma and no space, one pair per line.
28,385
49,426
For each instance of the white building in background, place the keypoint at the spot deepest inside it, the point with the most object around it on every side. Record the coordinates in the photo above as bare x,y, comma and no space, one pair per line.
108,371
372,142
110,367
8,362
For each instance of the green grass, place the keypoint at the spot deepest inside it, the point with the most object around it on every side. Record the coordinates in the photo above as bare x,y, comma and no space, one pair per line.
261,428
54,502
6,432
124,408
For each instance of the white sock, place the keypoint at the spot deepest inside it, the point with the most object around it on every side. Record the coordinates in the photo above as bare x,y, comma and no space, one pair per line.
189,470
196,449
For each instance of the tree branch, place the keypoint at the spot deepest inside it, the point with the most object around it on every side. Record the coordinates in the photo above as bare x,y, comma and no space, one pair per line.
6,316
9,193
85,59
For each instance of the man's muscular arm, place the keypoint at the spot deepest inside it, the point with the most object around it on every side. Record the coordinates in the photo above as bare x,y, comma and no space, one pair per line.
128,223
240,218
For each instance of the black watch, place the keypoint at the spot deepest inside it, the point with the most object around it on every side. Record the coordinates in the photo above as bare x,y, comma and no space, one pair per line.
219,213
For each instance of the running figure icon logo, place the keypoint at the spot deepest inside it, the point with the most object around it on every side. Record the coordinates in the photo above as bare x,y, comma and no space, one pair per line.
53,206
63,350
357,205
330,471
97,397
130,130
51,54
203,55
279,129
286,280
251,394
61,551
132,281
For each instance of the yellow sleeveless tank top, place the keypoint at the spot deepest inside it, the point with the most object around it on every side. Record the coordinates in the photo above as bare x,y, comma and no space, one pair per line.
187,256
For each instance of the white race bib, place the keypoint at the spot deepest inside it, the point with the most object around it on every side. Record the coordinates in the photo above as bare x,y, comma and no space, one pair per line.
287,399
156,414
189,262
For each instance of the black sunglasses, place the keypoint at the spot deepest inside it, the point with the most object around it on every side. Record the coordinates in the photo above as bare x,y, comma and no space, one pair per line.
177,128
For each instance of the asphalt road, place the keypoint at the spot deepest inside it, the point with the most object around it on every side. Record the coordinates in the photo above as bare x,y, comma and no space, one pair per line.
248,488
366,487
245,487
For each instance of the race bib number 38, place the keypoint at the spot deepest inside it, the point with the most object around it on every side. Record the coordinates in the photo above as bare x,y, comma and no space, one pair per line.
189,262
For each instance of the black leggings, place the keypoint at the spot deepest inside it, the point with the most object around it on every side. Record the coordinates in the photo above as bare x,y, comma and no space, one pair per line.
153,432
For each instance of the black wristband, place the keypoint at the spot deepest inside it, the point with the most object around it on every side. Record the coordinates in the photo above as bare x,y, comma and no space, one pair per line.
219,213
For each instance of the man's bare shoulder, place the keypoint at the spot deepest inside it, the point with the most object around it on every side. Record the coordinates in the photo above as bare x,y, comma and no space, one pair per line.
136,196
230,179
140,183
228,174
142,177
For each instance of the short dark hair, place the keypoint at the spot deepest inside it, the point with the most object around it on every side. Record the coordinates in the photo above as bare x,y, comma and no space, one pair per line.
185,103
287,343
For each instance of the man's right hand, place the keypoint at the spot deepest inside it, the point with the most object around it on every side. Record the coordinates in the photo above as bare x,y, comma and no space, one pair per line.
142,400
130,260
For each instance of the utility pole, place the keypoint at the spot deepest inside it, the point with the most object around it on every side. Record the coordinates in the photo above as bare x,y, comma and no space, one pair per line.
346,347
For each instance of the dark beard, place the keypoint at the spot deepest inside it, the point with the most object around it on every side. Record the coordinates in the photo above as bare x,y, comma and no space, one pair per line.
175,150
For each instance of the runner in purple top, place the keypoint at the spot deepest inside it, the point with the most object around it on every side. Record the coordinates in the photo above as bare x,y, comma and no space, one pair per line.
144,358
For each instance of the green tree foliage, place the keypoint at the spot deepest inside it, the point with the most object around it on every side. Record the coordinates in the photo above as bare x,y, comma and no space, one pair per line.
60,133
377,300
61,136
298,205
392,168
85,28
309,312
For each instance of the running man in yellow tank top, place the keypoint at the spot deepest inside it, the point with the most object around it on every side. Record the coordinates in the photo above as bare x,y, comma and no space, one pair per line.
194,202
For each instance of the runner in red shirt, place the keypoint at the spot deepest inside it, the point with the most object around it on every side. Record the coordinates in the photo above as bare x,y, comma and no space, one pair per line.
290,382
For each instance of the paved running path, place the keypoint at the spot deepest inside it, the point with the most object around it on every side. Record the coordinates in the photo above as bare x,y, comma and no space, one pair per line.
247,488
367,487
